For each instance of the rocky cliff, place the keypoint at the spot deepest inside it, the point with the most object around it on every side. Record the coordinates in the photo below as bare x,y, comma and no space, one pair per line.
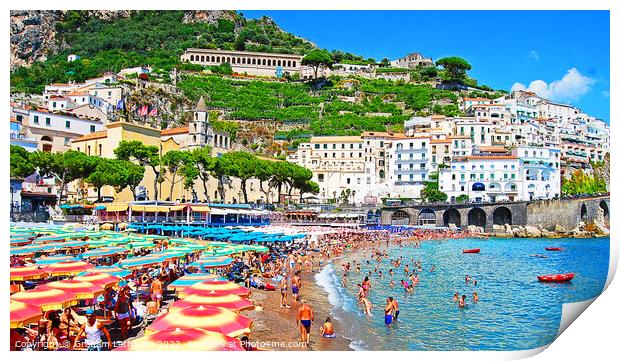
34,32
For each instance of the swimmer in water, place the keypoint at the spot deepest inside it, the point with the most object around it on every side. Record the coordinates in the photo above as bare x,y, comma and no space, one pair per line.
466,278
433,268
462,303
475,296
392,283
456,296
367,305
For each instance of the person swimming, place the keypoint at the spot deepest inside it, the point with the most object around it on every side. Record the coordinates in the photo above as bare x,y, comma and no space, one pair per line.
475,296
456,296
462,303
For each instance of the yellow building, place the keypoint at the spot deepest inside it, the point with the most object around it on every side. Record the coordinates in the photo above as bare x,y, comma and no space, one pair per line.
104,142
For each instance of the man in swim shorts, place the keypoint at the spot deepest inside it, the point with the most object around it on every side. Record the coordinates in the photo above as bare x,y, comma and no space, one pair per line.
296,285
305,317
395,308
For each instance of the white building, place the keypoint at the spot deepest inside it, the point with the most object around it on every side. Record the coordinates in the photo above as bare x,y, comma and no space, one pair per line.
409,166
411,61
526,173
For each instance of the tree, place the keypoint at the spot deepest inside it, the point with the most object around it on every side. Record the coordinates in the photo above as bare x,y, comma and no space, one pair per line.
20,164
463,198
65,167
243,166
108,172
145,156
582,184
281,176
263,173
385,62
220,168
200,167
316,59
175,161
308,187
456,68
132,175
429,72
298,177
430,192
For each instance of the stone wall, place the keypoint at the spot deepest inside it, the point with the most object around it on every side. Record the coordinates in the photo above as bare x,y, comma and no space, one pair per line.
567,213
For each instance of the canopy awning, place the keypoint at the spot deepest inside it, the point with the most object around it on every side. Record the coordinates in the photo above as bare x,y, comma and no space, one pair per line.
217,211
152,209
178,208
116,207
200,208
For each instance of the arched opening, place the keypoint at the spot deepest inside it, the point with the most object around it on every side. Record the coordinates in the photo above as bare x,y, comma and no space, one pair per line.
502,215
477,217
451,216
400,218
604,211
46,138
584,212
427,217
478,187
191,58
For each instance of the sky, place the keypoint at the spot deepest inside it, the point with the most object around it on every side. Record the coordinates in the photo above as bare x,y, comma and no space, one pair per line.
561,55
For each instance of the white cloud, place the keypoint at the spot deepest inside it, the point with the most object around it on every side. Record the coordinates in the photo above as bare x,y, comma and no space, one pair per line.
605,93
571,87
533,55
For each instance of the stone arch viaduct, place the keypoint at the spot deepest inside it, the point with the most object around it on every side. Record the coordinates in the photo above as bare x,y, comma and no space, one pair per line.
566,212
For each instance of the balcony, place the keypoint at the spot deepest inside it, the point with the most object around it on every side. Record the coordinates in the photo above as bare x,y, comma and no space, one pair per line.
412,160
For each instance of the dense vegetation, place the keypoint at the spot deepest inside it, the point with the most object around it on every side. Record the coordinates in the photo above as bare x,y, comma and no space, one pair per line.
582,184
155,38
384,104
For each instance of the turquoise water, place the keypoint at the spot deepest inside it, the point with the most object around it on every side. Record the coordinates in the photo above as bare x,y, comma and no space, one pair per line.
515,311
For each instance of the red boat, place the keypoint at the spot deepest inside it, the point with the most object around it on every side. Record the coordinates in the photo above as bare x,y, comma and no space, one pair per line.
474,250
567,277
554,249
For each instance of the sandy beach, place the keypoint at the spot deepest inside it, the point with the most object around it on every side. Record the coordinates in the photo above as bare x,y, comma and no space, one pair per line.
275,327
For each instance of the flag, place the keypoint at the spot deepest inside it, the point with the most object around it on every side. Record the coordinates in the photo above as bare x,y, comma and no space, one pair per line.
120,105
153,112
143,110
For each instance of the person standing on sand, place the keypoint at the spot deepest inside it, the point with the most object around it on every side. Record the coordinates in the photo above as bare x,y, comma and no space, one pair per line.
157,291
284,292
305,317
296,286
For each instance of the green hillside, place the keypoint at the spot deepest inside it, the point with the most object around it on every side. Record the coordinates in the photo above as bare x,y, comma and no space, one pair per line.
155,38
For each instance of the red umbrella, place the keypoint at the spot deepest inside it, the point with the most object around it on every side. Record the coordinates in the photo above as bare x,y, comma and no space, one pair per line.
80,289
23,314
207,318
69,268
231,302
100,279
27,273
49,299
211,287
177,339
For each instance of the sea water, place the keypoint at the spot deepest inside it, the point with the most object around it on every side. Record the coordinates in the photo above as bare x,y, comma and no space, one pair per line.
515,310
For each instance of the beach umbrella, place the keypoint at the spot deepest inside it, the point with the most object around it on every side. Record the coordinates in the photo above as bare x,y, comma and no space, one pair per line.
212,262
215,319
230,302
81,290
210,287
139,262
54,259
68,268
99,278
27,273
20,241
100,208
178,339
23,314
104,252
107,226
49,299
191,279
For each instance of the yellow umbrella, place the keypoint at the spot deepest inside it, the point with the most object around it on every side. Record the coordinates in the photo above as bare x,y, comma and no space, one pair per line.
23,314
211,287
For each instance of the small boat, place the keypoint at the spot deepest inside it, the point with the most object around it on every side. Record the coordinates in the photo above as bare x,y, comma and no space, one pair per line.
554,249
473,250
566,277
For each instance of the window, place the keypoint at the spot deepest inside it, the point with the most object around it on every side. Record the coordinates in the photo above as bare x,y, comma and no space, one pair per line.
36,119
100,149
317,146
88,152
321,177
48,121
348,180
423,176
92,128
67,124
